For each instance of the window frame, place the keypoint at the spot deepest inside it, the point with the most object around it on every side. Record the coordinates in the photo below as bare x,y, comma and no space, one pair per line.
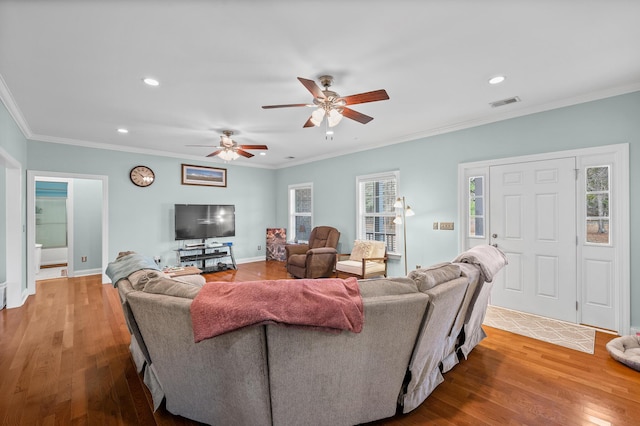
292,205
360,207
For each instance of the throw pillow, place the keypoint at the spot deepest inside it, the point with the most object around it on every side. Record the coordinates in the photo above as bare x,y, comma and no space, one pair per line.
361,250
377,249
430,277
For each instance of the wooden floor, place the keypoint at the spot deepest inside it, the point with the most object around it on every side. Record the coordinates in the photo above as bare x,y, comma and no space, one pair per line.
64,360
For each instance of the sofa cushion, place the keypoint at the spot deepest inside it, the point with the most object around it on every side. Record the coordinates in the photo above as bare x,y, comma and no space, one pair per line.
430,277
355,267
171,287
197,280
375,287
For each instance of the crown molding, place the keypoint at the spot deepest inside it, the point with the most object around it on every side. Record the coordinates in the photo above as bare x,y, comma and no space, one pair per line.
135,150
9,102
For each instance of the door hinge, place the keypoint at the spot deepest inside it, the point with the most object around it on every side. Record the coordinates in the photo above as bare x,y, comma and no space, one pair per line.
577,172
576,305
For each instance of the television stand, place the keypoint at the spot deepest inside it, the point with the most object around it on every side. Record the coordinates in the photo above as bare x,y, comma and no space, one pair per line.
207,259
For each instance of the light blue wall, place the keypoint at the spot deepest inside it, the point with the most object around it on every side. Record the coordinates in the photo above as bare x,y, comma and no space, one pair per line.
87,224
141,219
13,143
428,174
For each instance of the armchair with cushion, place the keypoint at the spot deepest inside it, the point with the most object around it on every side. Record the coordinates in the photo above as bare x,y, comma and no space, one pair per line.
317,258
367,259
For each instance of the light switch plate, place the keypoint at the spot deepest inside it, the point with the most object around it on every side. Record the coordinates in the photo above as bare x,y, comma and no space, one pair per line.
446,226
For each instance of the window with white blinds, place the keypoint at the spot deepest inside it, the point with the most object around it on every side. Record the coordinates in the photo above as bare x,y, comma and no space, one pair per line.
376,196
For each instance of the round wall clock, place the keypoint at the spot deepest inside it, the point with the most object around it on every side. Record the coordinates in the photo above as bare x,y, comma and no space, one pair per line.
142,176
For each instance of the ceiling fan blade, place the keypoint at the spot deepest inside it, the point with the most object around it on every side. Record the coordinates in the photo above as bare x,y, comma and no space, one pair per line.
309,123
244,153
355,115
312,87
214,153
285,106
253,147
376,95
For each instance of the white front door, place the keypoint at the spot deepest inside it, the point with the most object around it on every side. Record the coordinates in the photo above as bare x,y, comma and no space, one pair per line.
533,221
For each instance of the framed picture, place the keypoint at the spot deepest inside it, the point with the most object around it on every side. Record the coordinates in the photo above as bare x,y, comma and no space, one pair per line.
205,176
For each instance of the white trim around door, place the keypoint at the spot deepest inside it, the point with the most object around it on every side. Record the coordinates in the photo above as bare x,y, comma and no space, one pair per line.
32,176
619,291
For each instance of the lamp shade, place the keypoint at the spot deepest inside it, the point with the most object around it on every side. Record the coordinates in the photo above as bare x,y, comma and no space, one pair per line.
317,116
334,118
228,155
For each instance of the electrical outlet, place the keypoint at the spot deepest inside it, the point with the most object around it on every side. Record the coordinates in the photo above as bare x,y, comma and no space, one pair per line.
435,225
418,266
259,247
446,226
84,258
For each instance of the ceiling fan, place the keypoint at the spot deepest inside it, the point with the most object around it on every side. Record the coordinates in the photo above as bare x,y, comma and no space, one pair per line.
330,104
230,150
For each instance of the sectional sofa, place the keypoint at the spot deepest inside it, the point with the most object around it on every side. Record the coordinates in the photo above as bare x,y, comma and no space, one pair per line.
413,330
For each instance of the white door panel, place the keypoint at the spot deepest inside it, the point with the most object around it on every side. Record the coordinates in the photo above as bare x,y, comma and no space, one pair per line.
533,222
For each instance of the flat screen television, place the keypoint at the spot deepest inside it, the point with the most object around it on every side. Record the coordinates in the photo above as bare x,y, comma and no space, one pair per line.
201,221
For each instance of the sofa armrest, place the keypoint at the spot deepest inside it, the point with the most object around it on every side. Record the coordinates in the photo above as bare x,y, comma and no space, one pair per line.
296,249
323,250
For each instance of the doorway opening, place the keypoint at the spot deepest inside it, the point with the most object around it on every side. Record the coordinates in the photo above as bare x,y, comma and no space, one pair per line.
86,212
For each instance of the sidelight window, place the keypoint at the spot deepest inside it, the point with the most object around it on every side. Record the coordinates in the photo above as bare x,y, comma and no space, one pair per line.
476,207
598,192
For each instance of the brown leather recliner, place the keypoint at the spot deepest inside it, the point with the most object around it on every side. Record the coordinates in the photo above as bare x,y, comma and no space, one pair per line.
316,259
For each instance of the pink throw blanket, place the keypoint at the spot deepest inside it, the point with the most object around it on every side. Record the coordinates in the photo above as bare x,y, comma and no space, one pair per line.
332,304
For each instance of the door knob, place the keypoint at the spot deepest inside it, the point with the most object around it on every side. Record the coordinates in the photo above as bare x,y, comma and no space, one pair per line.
494,235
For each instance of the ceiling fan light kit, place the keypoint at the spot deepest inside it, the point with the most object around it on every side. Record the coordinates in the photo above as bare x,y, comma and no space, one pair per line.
331,105
229,149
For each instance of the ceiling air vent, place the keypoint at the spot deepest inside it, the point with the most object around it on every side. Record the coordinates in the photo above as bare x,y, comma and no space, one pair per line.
505,102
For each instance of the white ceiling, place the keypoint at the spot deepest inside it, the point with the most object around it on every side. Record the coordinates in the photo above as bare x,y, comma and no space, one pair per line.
71,71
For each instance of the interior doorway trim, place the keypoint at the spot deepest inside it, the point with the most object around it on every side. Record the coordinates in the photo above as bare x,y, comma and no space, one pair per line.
16,292
32,176
622,234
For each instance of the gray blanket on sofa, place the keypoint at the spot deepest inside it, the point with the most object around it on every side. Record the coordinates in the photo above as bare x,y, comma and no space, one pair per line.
490,260
124,266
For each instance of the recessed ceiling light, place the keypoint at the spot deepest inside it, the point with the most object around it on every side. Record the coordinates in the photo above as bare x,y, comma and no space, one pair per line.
122,130
497,79
263,153
151,81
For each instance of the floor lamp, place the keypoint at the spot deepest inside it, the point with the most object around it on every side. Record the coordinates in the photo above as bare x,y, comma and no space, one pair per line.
401,220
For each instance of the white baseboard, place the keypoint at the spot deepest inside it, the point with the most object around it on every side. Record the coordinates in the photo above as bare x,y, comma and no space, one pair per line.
250,259
85,272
